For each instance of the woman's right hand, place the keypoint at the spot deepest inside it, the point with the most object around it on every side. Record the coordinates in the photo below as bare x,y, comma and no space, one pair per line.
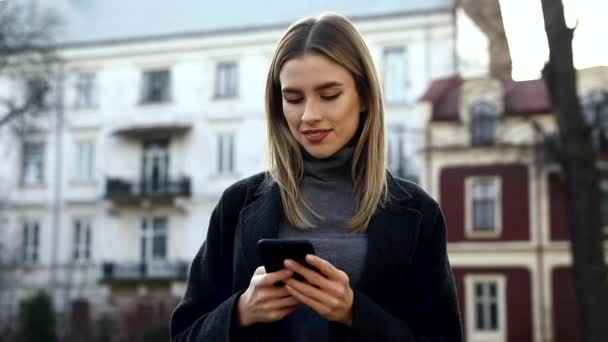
263,302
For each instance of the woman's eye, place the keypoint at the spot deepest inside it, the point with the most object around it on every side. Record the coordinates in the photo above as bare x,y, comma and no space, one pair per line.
294,100
330,97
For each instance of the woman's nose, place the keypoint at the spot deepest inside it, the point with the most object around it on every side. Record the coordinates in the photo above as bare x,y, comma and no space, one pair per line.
312,112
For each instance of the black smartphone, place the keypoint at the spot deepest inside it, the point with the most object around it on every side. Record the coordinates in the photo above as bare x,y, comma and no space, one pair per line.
274,251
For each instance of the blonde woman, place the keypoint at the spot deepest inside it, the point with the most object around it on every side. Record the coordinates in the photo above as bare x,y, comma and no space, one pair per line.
380,242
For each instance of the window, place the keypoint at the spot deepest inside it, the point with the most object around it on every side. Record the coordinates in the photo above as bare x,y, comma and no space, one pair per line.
85,160
33,164
36,93
31,241
226,80
396,82
395,152
85,91
483,207
154,238
156,86
595,108
485,307
225,153
81,250
483,123
155,172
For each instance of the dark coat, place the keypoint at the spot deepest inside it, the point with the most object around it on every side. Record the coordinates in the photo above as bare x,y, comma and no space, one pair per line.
406,291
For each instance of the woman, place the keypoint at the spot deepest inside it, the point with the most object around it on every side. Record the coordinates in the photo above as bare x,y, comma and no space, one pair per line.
380,242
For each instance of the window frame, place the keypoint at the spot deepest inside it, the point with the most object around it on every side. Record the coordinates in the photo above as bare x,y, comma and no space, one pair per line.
470,232
91,90
226,80
405,96
38,88
473,333
78,175
30,241
82,244
146,91
221,169
483,117
148,233
25,162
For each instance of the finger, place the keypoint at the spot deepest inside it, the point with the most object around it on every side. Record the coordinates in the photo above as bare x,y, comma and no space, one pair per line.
273,277
326,268
279,314
308,301
260,270
273,292
280,304
311,276
312,292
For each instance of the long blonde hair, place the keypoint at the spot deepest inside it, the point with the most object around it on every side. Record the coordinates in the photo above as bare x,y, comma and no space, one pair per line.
334,37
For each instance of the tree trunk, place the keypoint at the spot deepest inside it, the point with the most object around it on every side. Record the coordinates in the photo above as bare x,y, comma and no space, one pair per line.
579,163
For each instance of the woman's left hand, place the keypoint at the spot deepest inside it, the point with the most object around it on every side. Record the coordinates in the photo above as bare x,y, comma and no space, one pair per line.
328,291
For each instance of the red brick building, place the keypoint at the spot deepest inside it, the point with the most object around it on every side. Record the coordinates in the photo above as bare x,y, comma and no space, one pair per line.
505,204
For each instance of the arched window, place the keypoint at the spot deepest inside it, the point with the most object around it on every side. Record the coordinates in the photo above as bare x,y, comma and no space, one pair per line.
483,123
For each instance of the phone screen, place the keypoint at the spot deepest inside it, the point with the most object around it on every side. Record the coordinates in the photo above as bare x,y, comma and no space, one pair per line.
274,251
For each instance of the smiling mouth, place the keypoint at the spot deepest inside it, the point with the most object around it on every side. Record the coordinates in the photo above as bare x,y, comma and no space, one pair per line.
316,135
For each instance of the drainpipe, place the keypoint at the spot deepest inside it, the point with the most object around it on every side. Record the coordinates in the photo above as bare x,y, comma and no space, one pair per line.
538,161
56,203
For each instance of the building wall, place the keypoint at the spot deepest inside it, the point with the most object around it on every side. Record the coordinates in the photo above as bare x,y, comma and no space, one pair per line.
514,197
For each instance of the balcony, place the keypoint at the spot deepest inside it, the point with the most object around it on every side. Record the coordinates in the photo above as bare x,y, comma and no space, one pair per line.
121,191
159,130
154,271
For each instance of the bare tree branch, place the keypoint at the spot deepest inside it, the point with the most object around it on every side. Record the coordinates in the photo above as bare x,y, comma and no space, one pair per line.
26,40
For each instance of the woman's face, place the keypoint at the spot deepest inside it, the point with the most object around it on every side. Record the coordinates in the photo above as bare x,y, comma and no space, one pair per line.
320,103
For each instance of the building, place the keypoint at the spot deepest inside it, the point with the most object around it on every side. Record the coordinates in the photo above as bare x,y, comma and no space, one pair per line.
106,194
504,201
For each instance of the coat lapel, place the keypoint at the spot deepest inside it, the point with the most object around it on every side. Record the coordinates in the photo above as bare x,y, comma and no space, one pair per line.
392,234
259,220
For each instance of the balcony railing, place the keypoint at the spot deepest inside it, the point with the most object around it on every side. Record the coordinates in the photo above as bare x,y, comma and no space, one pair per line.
123,190
144,271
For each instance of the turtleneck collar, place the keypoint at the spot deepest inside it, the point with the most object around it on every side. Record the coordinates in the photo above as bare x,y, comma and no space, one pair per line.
336,167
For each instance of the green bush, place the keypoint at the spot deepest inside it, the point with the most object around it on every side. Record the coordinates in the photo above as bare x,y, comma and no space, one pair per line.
37,320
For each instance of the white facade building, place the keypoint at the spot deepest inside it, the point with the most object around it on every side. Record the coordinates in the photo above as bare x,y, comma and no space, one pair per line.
111,194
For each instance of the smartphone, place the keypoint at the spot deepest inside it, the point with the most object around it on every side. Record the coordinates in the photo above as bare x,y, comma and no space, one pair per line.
274,251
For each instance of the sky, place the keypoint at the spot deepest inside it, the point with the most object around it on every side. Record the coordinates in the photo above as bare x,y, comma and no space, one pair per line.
525,31
107,19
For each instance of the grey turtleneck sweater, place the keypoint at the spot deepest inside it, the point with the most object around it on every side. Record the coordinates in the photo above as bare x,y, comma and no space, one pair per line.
327,186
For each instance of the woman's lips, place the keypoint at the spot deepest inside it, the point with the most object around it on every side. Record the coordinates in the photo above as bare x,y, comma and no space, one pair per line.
316,135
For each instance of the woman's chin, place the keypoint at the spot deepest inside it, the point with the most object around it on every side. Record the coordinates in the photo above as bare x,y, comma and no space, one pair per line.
320,152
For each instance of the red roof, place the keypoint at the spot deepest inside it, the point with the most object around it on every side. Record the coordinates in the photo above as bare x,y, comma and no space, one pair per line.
526,97
444,95
521,98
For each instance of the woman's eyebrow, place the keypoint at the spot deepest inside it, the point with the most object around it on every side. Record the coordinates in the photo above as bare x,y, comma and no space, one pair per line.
317,88
328,85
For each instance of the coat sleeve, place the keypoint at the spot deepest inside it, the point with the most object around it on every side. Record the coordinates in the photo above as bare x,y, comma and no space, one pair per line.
435,315
207,311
